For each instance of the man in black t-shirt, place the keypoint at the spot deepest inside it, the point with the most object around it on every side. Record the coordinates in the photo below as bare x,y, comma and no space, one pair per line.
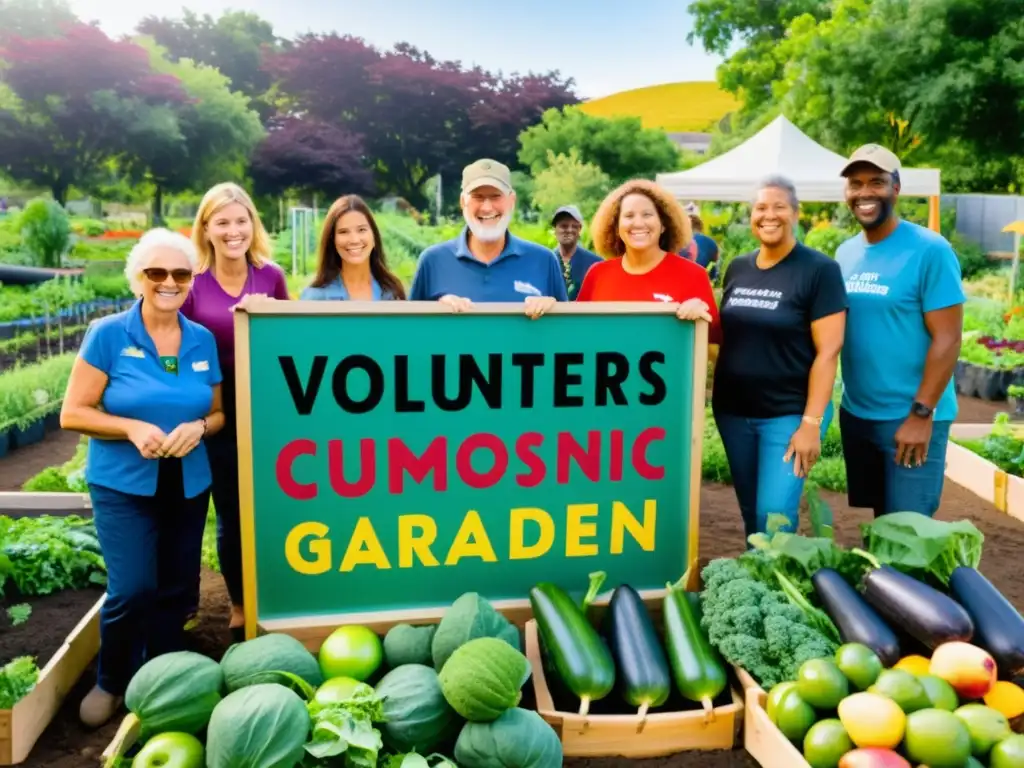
783,314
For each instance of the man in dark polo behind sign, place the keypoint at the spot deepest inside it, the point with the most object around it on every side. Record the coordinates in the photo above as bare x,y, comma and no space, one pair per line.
574,258
486,262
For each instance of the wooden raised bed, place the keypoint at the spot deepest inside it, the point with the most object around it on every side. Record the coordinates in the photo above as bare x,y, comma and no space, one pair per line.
980,476
766,743
654,735
22,726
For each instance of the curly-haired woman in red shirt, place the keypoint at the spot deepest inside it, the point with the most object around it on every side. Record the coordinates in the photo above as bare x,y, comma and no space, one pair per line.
641,230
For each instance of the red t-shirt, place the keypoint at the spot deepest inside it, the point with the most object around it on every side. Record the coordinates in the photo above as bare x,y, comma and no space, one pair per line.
675,279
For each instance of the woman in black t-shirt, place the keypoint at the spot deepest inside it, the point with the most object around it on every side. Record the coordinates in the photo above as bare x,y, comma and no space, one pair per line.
783,315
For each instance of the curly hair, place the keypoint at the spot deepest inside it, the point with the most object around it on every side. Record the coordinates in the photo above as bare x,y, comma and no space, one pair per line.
605,225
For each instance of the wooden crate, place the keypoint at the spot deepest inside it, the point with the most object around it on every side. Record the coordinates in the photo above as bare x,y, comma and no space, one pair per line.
22,726
126,737
980,476
762,739
655,735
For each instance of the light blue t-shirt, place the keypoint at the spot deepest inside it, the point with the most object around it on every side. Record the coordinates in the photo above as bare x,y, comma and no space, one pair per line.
890,286
336,291
139,387
521,270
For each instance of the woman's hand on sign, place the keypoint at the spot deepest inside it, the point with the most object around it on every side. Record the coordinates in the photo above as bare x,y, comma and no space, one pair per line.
804,449
147,438
182,440
244,302
538,305
455,303
694,309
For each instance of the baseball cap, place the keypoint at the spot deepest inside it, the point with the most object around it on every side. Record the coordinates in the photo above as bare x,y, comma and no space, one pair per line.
569,210
873,154
486,173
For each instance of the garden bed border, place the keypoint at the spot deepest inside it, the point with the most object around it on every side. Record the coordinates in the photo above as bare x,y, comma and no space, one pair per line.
761,739
20,503
980,476
22,725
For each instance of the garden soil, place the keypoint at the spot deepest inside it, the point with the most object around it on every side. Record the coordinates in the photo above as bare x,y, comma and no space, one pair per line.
66,744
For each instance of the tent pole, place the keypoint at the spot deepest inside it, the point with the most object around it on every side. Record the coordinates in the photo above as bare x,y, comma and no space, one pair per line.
934,223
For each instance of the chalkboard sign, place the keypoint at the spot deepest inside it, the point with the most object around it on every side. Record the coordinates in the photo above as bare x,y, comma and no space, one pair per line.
394,455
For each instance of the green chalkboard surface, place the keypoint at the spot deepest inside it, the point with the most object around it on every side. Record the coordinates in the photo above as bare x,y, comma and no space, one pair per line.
398,459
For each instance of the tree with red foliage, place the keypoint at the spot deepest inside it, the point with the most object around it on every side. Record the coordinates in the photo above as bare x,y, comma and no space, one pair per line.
310,156
73,101
417,116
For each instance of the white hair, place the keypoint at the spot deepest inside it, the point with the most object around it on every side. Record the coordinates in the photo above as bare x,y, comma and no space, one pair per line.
139,257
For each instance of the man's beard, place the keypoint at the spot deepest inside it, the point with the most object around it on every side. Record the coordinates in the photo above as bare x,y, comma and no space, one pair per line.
885,208
489,234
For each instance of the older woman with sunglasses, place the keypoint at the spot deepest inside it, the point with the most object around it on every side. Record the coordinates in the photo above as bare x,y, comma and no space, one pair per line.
146,389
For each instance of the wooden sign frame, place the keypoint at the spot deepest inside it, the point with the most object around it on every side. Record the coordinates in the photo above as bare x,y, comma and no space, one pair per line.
518,611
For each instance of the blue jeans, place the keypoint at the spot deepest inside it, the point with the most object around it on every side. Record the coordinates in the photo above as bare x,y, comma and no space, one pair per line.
152,546
876,482
765,485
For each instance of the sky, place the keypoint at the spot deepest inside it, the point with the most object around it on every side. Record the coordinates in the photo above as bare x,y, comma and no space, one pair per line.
603,46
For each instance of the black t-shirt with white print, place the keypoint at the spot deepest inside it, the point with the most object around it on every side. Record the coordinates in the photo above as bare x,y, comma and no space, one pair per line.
766,314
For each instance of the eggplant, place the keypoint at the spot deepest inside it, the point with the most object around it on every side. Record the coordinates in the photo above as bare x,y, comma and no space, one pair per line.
923,612
998,627
857,621
640,660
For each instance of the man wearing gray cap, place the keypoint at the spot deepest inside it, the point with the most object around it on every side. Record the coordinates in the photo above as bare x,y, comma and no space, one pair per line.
903,332
574,258
486,262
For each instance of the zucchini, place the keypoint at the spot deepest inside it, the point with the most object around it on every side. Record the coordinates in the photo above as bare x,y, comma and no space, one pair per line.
697,667
579,655
924,613
857,621
640,661
998,627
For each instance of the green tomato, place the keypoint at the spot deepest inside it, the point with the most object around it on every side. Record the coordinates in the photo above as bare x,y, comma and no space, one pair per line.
171,750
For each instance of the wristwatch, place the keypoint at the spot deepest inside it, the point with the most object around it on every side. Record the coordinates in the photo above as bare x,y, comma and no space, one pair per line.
921,410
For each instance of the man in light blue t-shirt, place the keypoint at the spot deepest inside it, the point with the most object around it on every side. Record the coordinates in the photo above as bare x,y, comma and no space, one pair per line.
902,342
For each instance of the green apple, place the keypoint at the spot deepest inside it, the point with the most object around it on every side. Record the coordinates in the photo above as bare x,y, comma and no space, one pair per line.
171,750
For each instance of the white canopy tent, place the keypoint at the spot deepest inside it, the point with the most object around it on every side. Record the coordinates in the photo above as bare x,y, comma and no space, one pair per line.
782,148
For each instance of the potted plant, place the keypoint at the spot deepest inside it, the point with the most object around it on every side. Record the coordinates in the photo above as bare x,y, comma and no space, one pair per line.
1015,394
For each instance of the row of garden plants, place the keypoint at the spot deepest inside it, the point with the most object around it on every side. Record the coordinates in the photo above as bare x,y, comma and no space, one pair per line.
51,574
897,653
30,400
1002,446
60,302
992,353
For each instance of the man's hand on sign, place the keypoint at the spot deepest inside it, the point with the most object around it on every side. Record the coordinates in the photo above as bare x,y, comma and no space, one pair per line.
538,305
455,303
694,309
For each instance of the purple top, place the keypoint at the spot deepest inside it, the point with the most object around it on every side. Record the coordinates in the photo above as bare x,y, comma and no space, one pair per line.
210,305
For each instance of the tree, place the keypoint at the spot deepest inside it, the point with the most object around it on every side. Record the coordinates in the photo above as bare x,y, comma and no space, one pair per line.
310,156
234,43
33,18
759,26
416,116
955,96
215,132
569,181
621,146
75,101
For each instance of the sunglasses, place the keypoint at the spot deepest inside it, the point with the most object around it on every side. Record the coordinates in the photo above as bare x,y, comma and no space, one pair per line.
159,275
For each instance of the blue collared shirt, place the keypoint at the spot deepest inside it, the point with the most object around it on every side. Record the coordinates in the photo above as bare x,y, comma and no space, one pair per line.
336,291
579,264
138,387
521,270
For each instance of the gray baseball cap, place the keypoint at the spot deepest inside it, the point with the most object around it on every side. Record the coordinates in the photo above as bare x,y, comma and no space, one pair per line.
568,210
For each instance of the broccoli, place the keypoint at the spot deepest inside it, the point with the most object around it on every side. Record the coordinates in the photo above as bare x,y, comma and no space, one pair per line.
756,627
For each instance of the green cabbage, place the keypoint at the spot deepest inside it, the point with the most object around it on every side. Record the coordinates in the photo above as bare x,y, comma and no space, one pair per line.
262,659
175,692
469,617
261,726
519,738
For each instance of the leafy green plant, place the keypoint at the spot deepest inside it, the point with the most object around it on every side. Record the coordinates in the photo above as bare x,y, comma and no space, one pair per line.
46,231
30,392
47,554
17,679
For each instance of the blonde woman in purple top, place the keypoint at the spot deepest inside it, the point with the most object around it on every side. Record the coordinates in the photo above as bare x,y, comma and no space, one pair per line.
234,261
